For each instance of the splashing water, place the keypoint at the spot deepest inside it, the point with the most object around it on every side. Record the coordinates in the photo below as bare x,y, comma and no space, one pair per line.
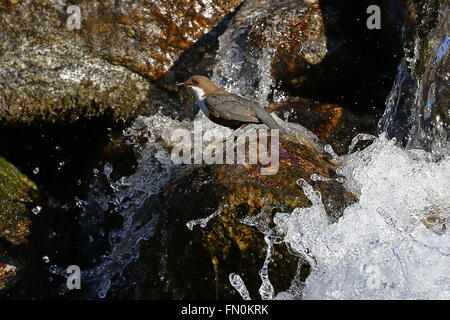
242,72
238,284
385,246
202,222
266,290
417,111
359,137
130,194
235,71
154,170
391,244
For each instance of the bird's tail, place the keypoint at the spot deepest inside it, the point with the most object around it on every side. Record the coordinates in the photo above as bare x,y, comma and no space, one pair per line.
268,120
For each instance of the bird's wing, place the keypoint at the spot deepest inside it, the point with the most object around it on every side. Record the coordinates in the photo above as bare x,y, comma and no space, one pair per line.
231,107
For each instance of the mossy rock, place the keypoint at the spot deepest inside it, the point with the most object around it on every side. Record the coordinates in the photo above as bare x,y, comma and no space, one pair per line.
17,192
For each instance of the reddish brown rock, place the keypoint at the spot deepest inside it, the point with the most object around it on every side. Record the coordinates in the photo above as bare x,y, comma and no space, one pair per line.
149,37
50,72
235,193
331,123
7,272
320,118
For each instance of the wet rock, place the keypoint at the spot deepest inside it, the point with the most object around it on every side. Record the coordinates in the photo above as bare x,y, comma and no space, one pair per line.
269,38
7,273
248,194
435,220
417,107
197,60
331,123
17,193
242,203
320,118
51,72
295,30
314,49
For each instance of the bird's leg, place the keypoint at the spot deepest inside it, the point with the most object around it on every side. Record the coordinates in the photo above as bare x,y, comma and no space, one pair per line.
239,130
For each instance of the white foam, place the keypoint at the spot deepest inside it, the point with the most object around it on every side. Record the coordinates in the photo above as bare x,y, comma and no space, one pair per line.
379,248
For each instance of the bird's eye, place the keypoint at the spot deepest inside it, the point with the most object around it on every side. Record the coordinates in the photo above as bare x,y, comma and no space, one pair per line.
195,82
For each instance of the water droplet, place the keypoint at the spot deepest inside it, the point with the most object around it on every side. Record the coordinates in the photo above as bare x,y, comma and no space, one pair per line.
79,203
46,259
341,180
107,170
36,210
36,170
53,269
238,284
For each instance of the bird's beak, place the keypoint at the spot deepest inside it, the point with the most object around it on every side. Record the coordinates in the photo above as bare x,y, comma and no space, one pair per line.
180,84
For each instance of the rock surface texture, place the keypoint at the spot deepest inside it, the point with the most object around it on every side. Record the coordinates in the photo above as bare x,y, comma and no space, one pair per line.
51,70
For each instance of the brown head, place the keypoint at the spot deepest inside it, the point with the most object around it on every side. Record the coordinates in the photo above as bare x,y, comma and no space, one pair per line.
202,82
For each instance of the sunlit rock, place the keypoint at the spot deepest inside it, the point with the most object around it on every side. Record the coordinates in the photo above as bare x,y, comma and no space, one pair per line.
236,205
295,30
331,123
51,70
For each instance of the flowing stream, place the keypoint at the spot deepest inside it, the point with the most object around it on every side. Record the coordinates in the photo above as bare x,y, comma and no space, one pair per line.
392,244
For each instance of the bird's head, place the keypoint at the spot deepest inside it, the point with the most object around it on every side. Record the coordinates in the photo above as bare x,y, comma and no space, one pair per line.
201,86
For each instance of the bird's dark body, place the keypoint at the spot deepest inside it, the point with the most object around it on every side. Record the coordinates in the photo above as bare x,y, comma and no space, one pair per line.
233,111
228,109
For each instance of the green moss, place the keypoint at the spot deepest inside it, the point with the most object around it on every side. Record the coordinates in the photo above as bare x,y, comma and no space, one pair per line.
16,192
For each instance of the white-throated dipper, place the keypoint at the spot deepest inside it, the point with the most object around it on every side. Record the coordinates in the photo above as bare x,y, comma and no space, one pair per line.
227,109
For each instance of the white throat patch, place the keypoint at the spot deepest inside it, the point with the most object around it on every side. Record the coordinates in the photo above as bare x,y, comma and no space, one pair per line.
199,93
200,97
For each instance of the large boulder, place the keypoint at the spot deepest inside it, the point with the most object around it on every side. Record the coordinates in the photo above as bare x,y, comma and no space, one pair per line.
51,71
240,204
